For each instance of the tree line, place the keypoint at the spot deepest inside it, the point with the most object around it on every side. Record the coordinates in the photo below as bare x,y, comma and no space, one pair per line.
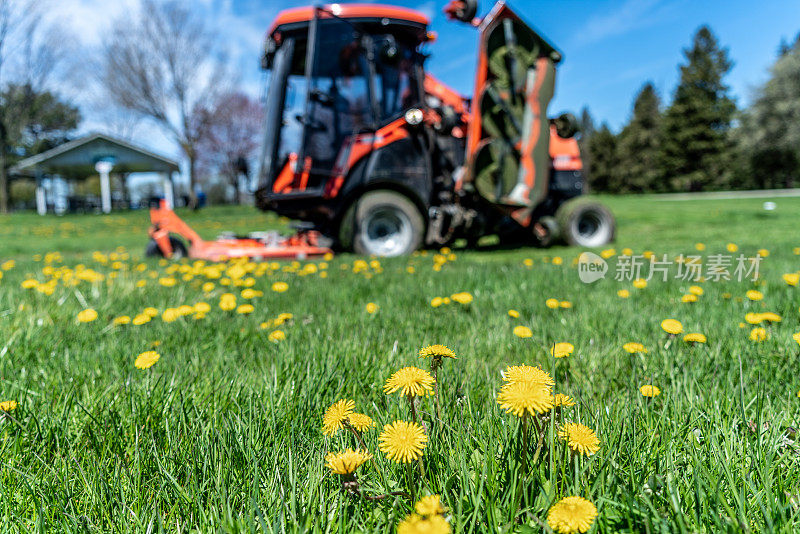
701,141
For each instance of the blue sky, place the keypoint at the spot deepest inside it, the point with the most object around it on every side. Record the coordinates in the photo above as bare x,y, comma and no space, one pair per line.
611,47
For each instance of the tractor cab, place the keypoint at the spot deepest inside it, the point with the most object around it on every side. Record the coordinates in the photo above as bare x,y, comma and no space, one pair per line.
335,74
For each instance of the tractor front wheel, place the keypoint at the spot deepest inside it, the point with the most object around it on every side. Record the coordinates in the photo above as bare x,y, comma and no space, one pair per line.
178,249
585,223
383,223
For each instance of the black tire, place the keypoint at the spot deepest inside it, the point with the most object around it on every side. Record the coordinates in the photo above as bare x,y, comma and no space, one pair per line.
585,223
178,249
382,223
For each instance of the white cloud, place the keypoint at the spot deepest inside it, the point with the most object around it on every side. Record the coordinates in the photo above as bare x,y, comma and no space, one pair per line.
631,15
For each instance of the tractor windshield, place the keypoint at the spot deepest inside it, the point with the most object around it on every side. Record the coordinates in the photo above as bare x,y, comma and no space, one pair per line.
329,82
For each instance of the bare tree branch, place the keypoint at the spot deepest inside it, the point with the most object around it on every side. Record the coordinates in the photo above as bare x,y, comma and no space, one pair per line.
163,63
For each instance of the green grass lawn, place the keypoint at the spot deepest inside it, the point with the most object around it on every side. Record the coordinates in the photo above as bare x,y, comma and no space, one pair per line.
224,431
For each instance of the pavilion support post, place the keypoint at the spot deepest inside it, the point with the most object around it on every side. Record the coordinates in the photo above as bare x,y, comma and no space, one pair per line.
104,168
169,193
41,198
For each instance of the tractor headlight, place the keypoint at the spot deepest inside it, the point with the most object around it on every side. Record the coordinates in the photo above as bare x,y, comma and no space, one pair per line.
414,116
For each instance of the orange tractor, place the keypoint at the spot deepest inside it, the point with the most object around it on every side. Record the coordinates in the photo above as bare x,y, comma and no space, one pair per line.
379,157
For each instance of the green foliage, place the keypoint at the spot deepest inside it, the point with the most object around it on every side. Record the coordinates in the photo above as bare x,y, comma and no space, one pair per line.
34,121
602,153
769,136
638,146
696,147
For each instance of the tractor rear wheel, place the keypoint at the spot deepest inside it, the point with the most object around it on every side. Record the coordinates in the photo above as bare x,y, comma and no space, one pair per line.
383,223
585,223
178,249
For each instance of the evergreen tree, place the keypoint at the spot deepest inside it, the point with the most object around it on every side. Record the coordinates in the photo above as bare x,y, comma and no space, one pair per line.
604,164
769,135
696,150
639,144
586,132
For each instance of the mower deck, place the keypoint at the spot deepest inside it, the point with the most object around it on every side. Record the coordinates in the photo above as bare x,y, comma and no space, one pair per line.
302,245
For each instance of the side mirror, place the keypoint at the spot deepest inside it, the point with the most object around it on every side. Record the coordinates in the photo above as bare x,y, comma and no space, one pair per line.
463,10
566,125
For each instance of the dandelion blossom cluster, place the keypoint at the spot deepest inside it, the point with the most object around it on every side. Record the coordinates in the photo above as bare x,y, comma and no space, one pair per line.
521,397
402,441
581,439
345,463
571,514
411,381
336,415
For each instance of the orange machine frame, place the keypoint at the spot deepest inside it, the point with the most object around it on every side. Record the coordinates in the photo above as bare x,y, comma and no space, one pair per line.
165,222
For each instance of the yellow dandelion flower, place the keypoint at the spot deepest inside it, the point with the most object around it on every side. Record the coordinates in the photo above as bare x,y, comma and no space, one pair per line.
402,441
623,293
632,348
514,314
696,290
87,316
436,302
170,315
8,406
520,397
796,337
671,326
551,303
732,247
436,352
146,359
372,308
141,319
771,317
527,373
565,304
276,335
345,463
280,287
335,415
791,278
763,252
245,309
689,298
699,246
580,438
609,252
559,399
562,349
754,294
410,381
429,505
462,298
201,307
121,320
30,283
572,514
150,312
649,390
758,334
360,422
640,283
416,524
522,331
694,337
753,318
